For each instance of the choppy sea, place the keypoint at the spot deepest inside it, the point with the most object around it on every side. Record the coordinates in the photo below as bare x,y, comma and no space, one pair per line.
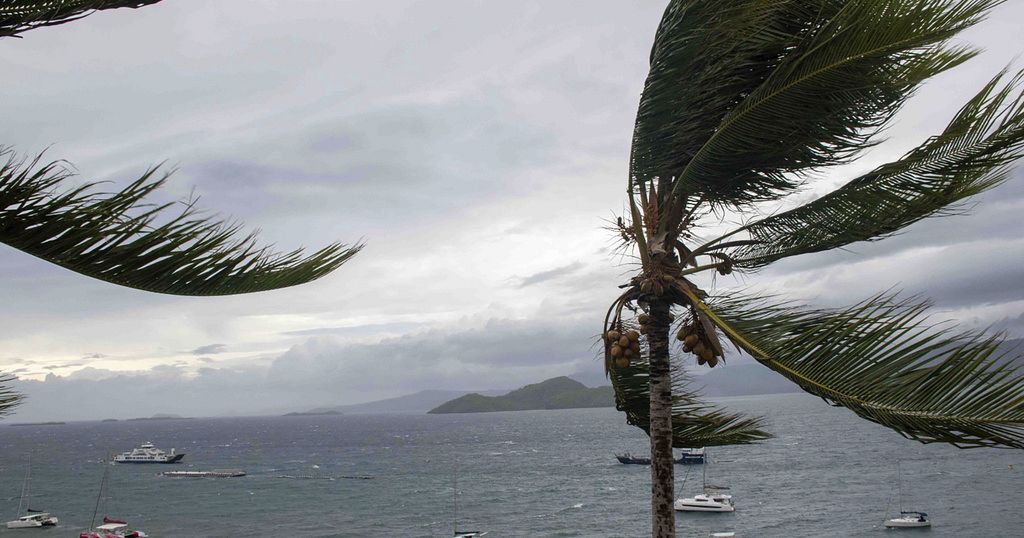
535,473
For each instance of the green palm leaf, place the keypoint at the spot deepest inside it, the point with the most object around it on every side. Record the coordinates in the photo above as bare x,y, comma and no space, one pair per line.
844,74
9,399
884,361
970,156
119,238
708,56
694,423
17,16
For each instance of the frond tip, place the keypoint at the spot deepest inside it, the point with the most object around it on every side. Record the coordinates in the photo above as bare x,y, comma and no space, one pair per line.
17,16
9,398
885,361
121,239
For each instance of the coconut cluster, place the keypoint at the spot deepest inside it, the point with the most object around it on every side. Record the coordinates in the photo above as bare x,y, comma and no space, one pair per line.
695,341
624,347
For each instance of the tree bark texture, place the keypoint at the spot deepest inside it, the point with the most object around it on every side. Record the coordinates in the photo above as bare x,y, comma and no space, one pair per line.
663,517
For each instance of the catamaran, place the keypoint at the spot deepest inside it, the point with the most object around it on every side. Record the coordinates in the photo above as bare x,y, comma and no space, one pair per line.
907,519
33,518
712,500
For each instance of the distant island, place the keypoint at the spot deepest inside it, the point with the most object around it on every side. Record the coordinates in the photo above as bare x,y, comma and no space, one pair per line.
314,413
162,416
38,424
556,393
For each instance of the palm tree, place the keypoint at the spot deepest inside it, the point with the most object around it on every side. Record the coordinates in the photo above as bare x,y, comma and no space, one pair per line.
119,237
744,101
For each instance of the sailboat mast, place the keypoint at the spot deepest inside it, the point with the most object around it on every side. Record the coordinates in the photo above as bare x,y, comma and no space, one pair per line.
899,476
99,495
28,488
455,499
24,485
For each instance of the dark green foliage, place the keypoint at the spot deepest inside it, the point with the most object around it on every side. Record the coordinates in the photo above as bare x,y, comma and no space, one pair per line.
694,424
17,16
120,238
748,99
9,398
971,155
883,360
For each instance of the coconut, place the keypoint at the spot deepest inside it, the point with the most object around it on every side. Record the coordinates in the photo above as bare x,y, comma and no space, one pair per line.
622,362
633,335
628,353
691,340
616,351
701,361
713,361
623,341
698,349
613,335
643,319
635,346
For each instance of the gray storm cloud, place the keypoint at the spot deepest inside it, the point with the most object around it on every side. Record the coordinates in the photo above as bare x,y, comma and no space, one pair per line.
479,149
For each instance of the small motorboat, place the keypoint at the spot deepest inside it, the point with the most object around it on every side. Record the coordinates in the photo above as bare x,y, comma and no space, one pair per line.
706,502
908,520
469,534
629,459
31,521
689,456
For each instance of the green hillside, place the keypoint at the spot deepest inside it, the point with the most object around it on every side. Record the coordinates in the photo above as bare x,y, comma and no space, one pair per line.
556,393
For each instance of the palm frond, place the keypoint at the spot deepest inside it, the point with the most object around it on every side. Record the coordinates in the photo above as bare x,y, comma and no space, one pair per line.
844,75
9,398
885,361
17,16
694,423
120,238
972,154
706,58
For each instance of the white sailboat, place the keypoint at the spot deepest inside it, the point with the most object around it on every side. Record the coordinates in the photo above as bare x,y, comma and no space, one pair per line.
712,500
456,533
32,519
907,519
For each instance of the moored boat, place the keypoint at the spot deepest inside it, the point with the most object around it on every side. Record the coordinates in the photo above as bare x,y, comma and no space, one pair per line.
688,456
706,502
217,473
114,529
147,453
33,518
909,520
31,521
712,500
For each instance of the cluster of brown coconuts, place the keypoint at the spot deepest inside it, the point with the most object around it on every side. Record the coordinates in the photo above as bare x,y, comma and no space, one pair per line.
694,341
625,346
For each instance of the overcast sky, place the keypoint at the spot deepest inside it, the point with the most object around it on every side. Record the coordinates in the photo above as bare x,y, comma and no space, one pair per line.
477,146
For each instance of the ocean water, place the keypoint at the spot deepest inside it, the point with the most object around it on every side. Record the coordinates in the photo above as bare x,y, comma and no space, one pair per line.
537,473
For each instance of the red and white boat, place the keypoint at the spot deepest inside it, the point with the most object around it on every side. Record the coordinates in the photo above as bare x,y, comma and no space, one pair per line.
112,528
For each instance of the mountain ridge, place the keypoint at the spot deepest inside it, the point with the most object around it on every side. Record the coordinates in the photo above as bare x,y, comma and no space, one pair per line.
555,393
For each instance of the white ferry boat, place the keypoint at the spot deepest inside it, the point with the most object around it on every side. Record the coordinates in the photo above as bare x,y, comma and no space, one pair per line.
147,453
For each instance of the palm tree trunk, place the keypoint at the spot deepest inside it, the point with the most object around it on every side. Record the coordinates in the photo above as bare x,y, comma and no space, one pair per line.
663,518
